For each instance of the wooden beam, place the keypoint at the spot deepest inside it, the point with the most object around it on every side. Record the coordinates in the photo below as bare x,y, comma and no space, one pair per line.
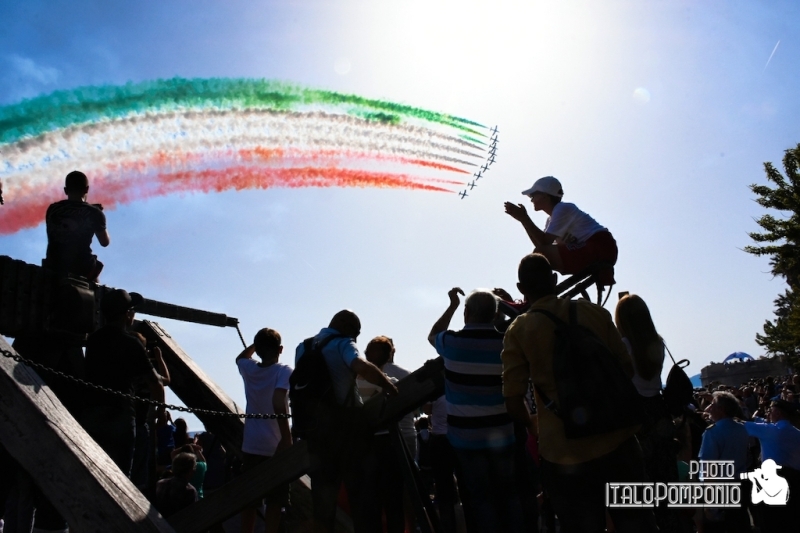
195,389
72,471
421,386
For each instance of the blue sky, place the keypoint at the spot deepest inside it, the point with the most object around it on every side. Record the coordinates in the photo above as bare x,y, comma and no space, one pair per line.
655,115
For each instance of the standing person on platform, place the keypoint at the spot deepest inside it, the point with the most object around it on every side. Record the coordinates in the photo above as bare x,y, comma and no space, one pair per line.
266,386
443,466
574,471
115,359
382,466
71,224
571,240
725,439
657,434
478,426
343,437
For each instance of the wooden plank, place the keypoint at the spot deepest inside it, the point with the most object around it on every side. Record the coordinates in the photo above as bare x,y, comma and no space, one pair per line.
77,476
195,389
302,506
250,486
421,386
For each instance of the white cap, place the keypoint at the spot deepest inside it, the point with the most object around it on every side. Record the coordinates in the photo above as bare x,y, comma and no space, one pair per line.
548,185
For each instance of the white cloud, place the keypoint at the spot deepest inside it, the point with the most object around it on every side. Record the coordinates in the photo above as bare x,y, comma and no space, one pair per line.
27,68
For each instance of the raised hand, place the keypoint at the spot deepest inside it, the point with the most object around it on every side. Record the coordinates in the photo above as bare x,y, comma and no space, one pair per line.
453,294
517,211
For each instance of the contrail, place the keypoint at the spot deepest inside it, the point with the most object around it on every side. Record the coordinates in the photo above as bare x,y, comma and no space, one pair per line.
770,56
139,141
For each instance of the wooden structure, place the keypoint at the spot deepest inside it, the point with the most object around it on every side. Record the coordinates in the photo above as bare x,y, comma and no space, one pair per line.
80,480
88,489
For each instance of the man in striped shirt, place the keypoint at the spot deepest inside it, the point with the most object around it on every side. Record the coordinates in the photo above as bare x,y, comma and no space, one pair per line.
478,425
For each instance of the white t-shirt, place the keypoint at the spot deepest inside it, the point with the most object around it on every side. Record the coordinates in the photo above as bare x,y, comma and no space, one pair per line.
406,424
646,387
261,436
439,416
570,225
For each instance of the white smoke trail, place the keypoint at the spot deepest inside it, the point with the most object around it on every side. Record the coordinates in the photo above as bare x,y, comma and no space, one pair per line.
46,157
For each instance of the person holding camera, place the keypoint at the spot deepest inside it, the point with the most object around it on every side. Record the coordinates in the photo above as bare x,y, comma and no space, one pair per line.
71,225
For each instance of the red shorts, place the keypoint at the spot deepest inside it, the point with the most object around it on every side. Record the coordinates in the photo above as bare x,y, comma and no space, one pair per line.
599,248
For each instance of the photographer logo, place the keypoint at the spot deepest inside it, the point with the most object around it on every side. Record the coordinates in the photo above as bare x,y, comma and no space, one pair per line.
768,486
713,484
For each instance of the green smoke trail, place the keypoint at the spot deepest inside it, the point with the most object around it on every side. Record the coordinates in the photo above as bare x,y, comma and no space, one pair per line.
91,104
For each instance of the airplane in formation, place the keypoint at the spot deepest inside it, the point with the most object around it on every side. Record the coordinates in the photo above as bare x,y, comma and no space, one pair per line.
478,175
484,168
463,194
491,159
494,131
471,185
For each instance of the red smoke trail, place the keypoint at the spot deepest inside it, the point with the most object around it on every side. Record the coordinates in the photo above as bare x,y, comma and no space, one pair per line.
27,206
275,156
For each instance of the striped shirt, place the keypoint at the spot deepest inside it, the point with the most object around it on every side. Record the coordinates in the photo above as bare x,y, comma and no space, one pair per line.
476,410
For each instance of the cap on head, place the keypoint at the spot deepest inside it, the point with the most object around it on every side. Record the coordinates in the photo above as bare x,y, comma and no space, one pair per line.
548,185
119,301
788,408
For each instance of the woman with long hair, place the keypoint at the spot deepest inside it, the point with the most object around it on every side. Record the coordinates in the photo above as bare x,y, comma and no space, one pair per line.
644,343
657,436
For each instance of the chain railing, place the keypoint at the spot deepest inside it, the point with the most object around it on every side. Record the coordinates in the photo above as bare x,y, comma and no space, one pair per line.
40,367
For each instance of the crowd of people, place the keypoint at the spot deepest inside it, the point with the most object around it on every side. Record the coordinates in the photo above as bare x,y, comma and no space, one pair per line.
496,451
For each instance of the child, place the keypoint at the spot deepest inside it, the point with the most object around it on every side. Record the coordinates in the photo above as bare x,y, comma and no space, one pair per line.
174,493
571,240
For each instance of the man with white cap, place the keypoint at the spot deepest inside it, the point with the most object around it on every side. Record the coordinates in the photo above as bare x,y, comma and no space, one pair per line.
571,239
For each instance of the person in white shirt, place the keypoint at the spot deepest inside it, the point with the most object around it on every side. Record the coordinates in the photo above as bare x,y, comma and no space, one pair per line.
266,386
571,239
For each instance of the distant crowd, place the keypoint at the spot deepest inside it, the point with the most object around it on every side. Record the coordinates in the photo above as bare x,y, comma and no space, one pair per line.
546,401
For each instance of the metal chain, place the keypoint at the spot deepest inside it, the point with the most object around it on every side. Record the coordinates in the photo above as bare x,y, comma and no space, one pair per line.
18,358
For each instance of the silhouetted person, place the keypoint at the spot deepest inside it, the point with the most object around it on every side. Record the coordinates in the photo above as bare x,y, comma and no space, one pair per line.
342,438
71,224
574,470
571,239
115,359
175,493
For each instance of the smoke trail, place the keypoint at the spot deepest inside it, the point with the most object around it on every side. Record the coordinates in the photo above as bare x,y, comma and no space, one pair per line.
176,136
28,210
92,104
137,137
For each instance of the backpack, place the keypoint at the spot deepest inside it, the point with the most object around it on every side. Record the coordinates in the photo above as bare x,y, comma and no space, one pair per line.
595,395
679,390
310,387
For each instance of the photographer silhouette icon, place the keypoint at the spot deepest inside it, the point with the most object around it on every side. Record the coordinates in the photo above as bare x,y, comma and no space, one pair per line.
768,486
